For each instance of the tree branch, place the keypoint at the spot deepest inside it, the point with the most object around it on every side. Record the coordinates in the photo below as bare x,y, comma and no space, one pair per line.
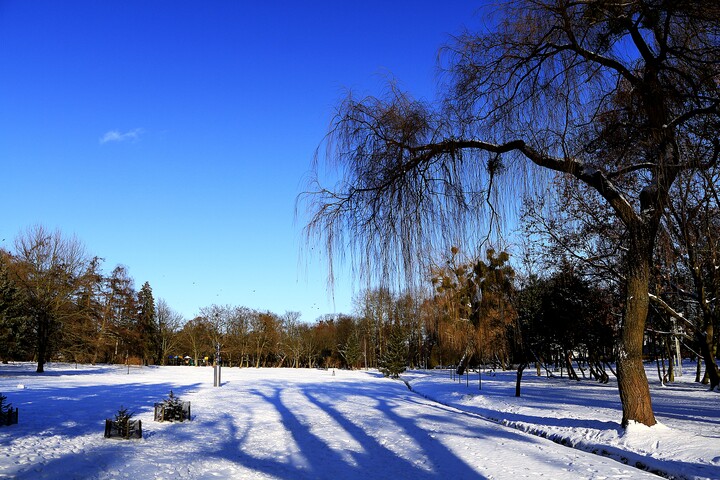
593,178
709,110
668,309
631,168
593,56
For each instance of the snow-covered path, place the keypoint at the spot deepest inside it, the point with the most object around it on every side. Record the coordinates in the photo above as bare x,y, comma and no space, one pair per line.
266,423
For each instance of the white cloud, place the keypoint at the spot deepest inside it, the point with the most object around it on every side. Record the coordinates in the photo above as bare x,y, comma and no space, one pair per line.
118,136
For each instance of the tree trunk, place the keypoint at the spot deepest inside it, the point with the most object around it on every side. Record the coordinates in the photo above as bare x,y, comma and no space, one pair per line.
632,381
43,328
462,365
671,363
657,356
518,378
712,374
568,364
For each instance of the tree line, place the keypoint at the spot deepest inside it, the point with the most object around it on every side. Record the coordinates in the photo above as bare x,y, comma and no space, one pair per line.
55,304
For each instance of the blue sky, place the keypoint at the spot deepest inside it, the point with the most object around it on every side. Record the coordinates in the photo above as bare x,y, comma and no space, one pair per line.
174,136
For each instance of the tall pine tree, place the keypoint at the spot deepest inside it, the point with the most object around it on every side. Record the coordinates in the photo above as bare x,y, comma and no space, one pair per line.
393,360
147,324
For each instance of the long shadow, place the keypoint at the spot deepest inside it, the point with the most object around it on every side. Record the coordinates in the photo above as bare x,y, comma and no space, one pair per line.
315,454
590,393
377,457
702,409
443,463
233,449
321,461
54,370
73,465
316,457
375,461
85,406
501,417
310,445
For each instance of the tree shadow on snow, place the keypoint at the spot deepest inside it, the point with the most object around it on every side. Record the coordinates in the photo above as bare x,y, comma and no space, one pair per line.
55,370
323,451
316,458
74,413
310,452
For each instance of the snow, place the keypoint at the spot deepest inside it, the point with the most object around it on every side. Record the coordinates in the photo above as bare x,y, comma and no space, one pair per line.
319,424
685,443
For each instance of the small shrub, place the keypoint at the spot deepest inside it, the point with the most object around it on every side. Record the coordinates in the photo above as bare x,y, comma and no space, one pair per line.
123,426
122,418
172,409
8,414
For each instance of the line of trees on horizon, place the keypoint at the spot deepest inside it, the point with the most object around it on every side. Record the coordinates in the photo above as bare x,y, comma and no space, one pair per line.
56,305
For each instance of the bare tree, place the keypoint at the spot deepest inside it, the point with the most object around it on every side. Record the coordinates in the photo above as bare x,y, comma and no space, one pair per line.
376,309
264,336
218,317
310,344
238,334
196,337
292,336
620,97
50,274
691,294
168,321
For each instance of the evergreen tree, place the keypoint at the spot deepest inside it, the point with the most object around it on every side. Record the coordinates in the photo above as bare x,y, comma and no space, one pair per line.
351,351
6,410
393,361
118,336
15,334
147,324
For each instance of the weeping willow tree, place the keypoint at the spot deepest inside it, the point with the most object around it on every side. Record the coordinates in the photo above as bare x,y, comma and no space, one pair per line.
616,97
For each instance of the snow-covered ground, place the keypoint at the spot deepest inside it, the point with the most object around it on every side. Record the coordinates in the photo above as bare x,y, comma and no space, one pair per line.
318,424
586,415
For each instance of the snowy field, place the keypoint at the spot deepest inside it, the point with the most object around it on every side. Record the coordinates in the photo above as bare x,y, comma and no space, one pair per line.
317,424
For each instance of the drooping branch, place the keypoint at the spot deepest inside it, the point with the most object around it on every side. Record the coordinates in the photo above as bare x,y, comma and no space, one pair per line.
592,177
